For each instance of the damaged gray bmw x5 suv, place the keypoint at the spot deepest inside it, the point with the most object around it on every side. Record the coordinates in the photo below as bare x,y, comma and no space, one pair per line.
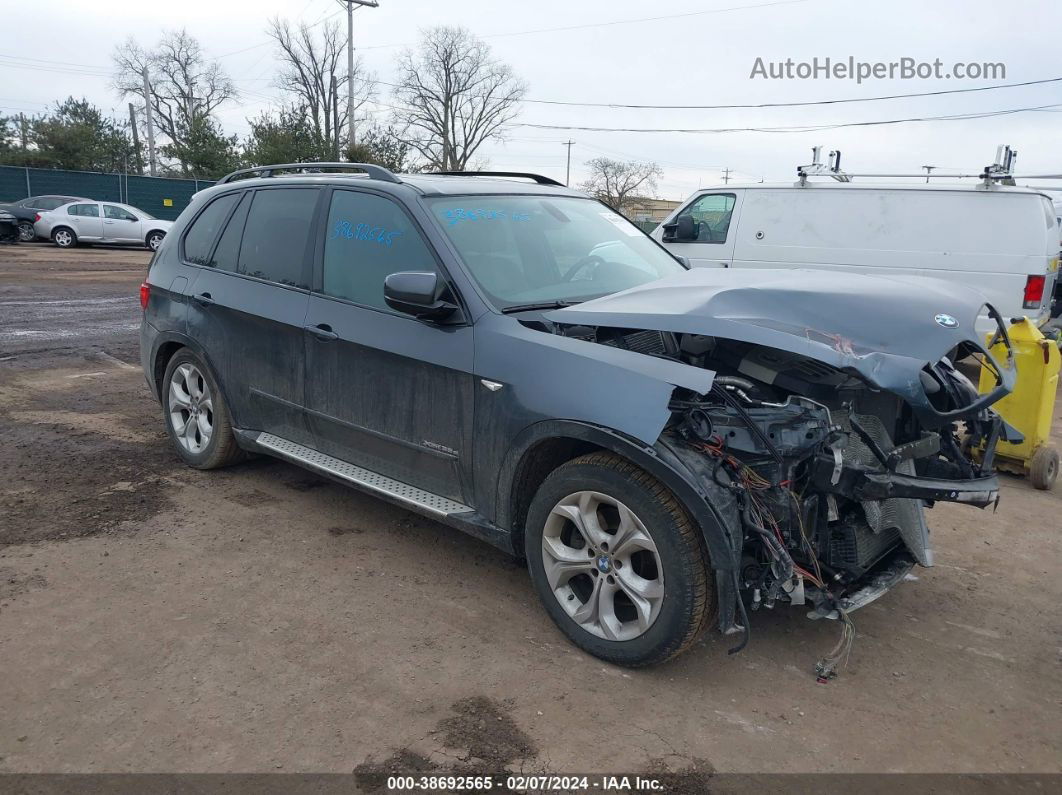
668,448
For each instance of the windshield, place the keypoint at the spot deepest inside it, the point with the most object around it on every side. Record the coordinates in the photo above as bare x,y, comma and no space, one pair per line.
143,215
533,249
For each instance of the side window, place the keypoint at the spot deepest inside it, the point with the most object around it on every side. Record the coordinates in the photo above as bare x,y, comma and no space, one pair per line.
367,239
227,253
117,213
200,237
87,210
276,233
712,214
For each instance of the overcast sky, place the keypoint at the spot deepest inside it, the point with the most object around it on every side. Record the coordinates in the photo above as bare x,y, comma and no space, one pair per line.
614,53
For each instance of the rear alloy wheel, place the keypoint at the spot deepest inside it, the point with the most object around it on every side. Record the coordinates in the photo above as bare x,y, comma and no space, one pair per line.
617,561
64,238
25,232
154,240
197,416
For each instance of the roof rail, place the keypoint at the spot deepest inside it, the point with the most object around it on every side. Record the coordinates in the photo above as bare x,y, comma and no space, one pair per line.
541,180
371,169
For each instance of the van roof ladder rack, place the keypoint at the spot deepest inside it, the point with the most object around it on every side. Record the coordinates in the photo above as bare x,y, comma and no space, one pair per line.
1001,171
541,180
371,170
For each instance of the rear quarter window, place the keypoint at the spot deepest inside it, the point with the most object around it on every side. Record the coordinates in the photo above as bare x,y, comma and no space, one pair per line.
203,231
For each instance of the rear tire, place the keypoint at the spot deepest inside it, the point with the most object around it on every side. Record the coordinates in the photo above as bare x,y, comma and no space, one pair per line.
196,414
64,237
26,234
642,562
1043,469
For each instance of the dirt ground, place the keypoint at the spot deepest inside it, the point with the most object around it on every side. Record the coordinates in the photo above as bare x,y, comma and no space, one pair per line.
260,619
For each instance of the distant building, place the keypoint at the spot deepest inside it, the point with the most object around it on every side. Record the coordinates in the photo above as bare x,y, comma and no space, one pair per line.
646,210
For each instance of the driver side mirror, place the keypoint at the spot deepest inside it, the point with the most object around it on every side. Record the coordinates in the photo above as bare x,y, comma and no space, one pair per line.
681,229
421,294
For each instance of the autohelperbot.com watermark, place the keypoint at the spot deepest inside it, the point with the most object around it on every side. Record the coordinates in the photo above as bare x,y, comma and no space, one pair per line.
850,68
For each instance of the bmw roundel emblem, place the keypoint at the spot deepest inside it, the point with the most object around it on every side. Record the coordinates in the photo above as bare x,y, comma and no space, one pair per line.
947,321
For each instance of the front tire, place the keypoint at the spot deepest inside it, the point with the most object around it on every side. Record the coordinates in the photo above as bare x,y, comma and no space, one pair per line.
618,563
64,237
196,414
154,240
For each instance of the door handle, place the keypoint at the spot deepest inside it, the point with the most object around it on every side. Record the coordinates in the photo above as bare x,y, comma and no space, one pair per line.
204,299
322,331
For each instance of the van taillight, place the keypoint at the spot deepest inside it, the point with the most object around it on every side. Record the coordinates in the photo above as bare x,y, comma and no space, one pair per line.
145,294
1034,292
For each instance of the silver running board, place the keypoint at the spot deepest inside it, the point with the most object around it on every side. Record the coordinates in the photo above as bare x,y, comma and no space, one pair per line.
359,476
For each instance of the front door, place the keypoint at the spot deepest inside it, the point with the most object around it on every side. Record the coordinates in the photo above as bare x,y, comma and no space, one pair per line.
385,391
711,244
249,300
120,225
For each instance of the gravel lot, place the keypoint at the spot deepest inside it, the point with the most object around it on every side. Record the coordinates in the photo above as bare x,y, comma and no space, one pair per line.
260,619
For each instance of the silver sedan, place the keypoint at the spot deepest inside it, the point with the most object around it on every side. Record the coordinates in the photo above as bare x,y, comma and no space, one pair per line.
100,222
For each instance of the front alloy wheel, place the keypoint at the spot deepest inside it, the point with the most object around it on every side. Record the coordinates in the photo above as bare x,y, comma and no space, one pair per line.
619,564
602,565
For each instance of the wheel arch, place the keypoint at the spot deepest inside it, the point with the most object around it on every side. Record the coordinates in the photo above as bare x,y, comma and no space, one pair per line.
166,346
542,447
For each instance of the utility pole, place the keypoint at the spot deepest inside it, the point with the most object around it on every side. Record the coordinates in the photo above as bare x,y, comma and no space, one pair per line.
23,131
568,171
136,141
726,176
350,62
929,170
335,117
150,124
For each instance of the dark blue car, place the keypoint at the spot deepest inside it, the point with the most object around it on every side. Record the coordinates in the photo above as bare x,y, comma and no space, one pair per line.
668,449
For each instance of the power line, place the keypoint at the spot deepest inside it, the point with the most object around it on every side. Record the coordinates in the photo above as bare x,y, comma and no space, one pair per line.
612,23
790,104
811,128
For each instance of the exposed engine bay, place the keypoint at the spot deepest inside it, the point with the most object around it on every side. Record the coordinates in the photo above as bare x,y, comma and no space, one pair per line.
825,473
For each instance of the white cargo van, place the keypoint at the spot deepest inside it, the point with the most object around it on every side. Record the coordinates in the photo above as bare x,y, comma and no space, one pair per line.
1003,241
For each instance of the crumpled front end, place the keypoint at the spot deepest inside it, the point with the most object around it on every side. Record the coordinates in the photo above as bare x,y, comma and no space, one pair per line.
830,430
831,472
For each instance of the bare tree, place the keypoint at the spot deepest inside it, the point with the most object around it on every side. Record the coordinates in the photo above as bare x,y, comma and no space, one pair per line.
186,88
310,69
620,183
456,97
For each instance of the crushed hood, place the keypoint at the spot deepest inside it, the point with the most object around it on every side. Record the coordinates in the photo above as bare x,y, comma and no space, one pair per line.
885,329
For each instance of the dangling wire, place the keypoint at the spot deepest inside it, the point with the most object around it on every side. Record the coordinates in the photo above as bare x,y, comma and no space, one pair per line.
826,668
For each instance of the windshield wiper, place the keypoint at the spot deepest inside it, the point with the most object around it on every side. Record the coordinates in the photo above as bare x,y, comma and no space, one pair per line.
541,305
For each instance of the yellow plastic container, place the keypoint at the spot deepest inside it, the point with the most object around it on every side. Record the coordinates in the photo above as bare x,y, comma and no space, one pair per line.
1031,406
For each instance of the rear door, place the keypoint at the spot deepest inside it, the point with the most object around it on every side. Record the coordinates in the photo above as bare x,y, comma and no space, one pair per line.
385,391
120,225
86,220
249,302
712,242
